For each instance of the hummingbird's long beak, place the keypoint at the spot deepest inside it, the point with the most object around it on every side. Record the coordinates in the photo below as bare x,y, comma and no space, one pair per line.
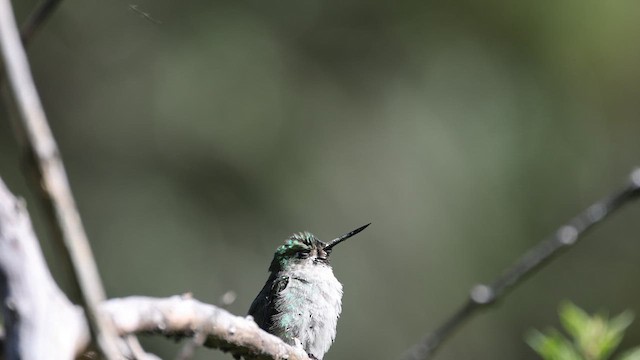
344,237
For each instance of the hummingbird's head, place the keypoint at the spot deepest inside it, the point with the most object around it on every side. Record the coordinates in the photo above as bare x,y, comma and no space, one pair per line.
305,248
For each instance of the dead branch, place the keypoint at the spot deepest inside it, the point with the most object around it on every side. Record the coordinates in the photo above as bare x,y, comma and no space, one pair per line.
42,323
182,316
37,140
482,296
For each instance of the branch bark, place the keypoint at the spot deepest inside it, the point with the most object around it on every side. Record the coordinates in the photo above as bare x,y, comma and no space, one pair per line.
182,316
37,140
41,323
482,296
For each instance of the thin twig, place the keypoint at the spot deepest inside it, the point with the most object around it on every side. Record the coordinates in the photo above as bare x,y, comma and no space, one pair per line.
37,139
37,18
144,14
137,352
189,349
481,296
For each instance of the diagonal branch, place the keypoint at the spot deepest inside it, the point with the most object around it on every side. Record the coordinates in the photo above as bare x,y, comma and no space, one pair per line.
42,323
482,296
37,139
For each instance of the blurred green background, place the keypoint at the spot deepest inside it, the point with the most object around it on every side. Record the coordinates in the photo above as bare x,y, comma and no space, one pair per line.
465,131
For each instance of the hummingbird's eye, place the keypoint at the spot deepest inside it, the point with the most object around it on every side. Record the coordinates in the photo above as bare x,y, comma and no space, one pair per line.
303,254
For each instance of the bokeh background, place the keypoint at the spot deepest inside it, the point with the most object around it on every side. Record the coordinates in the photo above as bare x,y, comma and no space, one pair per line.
198,138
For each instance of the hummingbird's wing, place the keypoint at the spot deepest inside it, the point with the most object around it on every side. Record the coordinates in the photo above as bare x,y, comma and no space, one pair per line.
263,307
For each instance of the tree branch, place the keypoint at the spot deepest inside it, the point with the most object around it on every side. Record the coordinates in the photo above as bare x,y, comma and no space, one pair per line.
176,317
481,296
42,323
37,139
182,316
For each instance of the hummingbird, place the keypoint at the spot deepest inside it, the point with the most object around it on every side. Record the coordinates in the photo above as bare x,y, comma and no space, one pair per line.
302,299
